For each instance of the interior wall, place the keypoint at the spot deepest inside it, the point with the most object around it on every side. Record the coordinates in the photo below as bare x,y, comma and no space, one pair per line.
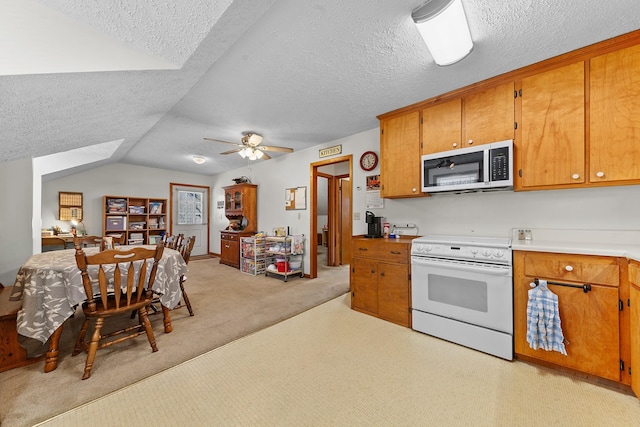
16,217
118,179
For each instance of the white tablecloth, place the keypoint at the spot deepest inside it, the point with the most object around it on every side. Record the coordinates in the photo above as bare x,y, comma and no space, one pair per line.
50,286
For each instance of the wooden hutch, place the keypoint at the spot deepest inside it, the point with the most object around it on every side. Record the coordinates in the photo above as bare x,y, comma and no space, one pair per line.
240,208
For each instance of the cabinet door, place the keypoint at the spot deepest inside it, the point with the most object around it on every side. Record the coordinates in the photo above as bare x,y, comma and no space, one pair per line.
228,200
634,318
400,156
234,253
489,115
552,145
589,323
364,281
393,293
635,338
442,127
614,151
230,252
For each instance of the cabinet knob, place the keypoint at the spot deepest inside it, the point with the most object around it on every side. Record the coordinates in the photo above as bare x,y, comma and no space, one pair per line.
568,268
600,174
455,144
470,141
414,189
575,176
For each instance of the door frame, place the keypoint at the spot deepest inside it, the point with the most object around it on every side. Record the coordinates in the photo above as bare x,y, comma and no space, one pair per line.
313,221
208,190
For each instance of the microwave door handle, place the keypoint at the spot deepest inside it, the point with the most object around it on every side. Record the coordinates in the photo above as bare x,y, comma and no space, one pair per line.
487,166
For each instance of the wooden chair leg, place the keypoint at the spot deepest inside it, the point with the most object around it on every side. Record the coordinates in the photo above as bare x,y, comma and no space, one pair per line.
93,349
144,317
83,331
166,320
186,299
51,360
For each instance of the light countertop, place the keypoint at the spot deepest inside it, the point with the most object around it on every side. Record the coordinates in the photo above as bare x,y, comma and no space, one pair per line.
617,243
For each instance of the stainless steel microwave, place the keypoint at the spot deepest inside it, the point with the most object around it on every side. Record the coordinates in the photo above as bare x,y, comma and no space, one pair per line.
477,168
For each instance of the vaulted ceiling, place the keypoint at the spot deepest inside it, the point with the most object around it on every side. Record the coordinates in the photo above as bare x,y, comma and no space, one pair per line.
162,75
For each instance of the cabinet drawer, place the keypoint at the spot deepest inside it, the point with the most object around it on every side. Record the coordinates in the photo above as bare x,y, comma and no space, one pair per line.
576,268
397,252
229,236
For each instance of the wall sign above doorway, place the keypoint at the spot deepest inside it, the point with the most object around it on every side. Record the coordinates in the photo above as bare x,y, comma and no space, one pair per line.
330,151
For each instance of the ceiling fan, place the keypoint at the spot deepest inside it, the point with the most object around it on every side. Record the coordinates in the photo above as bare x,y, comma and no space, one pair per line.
251,148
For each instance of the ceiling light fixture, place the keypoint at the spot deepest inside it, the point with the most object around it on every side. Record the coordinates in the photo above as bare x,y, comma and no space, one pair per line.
251,153
443,26
199,160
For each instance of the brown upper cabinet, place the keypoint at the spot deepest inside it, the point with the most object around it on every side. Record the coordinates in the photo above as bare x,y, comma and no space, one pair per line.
614,149
400,156
442,127
488,115
479,118
551,128
574,119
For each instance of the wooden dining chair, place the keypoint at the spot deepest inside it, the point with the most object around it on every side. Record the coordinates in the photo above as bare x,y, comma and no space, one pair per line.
87,241
173,242
52,243
124,285
185,250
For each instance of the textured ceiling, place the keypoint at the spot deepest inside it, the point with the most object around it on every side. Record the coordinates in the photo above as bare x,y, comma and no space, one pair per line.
299,72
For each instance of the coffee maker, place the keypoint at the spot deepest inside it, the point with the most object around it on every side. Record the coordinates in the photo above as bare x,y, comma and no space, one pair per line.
374,224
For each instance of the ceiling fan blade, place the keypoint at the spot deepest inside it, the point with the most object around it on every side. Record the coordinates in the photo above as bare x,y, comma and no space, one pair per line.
275,148
226,142
237,150
265,156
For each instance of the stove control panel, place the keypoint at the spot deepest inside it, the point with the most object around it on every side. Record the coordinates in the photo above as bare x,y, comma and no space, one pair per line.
464,252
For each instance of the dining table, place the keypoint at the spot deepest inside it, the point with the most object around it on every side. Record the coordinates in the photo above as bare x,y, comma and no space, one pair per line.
49,284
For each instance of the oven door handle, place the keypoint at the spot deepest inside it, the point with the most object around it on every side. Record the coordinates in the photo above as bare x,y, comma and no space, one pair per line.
495,270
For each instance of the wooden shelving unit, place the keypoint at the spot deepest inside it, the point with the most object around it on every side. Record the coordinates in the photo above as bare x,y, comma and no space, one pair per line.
142,220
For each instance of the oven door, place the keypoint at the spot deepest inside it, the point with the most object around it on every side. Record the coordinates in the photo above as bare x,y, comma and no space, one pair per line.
469,292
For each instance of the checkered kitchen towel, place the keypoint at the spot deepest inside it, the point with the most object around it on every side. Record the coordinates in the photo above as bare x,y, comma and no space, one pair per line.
543,320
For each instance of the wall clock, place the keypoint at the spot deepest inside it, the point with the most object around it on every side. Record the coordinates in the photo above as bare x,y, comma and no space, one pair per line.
368,161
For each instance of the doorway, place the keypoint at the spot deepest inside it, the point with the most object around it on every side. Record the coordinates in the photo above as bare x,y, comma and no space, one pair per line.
330,187
190,214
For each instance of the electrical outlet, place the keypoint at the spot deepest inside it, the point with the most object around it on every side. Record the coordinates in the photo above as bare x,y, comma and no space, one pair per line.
405,225
356,216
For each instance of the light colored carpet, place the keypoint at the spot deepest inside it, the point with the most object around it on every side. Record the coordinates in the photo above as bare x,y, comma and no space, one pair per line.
333,366
228,305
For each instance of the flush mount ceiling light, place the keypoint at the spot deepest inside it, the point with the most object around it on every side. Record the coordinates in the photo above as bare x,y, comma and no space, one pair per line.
198,160
444,28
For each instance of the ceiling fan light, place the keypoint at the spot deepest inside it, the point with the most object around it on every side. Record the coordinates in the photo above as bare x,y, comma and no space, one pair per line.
259,154
443,26
254,139
198,160
243,153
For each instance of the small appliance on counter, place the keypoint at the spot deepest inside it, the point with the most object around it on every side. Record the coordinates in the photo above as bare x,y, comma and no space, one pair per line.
374,224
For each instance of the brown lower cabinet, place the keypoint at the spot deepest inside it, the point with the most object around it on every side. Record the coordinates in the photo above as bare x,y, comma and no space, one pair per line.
230,247
594,323
380,278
